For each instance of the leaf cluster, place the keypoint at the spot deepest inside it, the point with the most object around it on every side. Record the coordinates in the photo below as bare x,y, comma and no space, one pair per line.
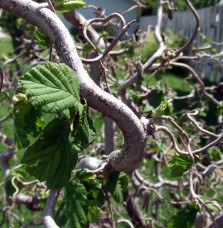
83,196
53,89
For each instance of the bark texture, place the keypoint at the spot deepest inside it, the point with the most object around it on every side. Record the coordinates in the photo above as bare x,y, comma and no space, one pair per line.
130,125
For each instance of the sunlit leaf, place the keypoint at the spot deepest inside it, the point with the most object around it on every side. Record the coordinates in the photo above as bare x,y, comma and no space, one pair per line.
161,108
63,6
51,87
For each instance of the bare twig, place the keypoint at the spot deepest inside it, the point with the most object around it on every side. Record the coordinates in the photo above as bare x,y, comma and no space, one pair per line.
197,22
198,79
161,47
194,113
113,43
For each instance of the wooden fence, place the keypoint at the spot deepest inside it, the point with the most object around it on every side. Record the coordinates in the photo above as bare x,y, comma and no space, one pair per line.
211,26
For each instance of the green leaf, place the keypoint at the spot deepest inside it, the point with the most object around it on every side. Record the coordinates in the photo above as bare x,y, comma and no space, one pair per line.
179,164
9,188
77,204
159,146
184,218
26,120
93,187
93,213
117,184
51,87
84,129
148,108
160,109
61,215
54,155
87,48
214,153
84,175
43,39
212,205
64,6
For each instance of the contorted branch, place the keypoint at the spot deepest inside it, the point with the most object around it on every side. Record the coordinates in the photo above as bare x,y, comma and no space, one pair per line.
195,75
131,127
113,43
77,19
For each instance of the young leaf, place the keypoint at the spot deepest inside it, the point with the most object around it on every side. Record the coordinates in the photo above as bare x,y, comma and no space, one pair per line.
179,164
95,194
64,6
26,120
51,87
84,175
43,39
77,204
160,109
117,184
53,156
184,218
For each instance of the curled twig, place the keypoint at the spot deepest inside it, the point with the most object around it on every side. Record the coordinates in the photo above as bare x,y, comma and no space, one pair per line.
113,43
197,21
197,198
198,79
194,113
147,65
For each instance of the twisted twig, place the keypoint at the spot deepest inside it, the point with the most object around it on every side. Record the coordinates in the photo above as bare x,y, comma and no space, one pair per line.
198,79
161,47
197,22
113,43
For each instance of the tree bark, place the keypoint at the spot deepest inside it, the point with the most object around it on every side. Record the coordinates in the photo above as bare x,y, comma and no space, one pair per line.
134,134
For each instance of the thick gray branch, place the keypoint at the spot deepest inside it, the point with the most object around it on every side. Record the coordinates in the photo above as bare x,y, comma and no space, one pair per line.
132,129
49,209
